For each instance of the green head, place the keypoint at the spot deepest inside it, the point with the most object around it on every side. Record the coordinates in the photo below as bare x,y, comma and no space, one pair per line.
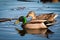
21,19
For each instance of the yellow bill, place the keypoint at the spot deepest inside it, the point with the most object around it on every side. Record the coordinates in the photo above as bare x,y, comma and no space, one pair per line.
16,22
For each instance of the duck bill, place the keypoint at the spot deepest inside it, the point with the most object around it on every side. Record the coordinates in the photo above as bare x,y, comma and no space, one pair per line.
17,22
55,16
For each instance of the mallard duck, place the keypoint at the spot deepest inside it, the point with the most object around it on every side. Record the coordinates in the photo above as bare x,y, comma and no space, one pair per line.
33,24
48,17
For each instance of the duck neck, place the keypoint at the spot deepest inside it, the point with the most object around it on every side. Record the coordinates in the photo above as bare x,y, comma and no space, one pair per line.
34,17
24,20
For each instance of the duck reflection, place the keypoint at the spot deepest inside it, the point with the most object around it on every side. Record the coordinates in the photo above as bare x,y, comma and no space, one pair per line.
42,32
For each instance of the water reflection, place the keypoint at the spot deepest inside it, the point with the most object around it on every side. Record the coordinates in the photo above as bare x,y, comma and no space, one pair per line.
42,32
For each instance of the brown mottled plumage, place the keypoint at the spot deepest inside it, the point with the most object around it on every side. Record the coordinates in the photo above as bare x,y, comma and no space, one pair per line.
48,17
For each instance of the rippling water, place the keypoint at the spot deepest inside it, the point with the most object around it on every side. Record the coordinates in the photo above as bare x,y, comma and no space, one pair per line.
14,9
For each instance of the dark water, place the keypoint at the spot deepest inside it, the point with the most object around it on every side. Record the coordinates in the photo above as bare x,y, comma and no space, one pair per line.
14,9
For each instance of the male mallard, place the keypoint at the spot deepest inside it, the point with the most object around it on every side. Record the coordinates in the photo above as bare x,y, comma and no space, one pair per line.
48,17
33,24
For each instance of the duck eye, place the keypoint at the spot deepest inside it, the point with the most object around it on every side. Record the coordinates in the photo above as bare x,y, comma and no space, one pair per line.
21,18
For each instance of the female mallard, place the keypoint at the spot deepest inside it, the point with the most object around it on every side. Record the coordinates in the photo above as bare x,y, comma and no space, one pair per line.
33,24
48,17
